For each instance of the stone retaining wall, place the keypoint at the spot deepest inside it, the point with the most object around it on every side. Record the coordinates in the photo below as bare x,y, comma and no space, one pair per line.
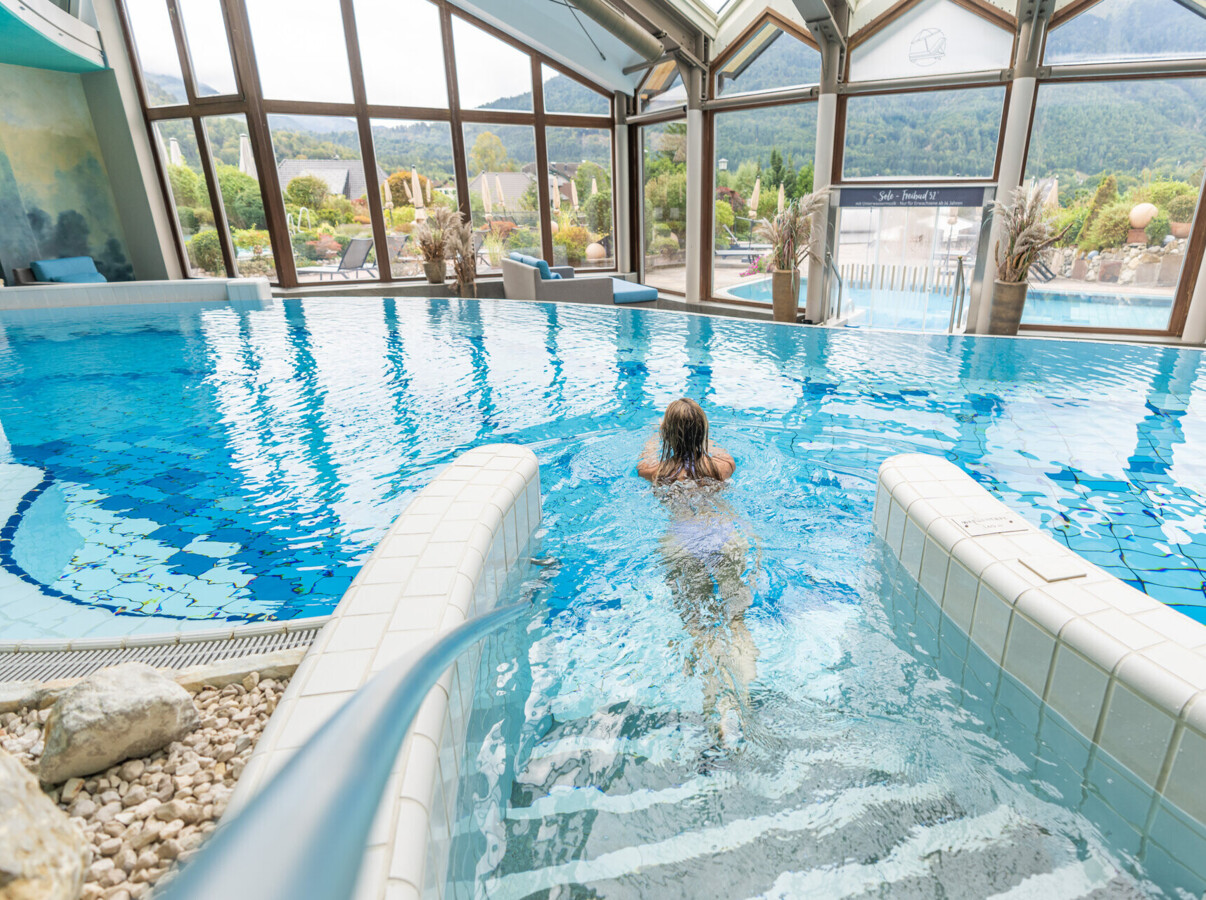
444,560
1126,671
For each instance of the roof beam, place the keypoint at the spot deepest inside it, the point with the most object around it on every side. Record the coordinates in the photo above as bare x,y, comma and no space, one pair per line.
675,30
829,23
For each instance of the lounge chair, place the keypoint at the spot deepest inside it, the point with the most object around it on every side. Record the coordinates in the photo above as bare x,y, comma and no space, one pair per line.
354,259
529,278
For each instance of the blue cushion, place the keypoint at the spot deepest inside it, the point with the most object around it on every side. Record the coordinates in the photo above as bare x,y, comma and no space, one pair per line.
82,278
545,273
556,276
630,292
59,269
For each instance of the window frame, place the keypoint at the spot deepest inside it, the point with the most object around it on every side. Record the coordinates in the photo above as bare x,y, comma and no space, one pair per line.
767,17
250,102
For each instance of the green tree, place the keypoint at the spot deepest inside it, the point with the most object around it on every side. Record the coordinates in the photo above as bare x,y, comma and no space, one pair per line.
590,170
804,181
309,191
598,212
1107,194
241,198
187,189
489,154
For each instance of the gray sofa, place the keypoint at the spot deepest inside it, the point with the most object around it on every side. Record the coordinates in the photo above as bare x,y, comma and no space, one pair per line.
524,282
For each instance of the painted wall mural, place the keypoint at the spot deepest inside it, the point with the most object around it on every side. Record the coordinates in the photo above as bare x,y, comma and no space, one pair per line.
55,196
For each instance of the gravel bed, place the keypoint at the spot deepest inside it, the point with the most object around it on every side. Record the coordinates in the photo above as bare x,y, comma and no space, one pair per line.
144,815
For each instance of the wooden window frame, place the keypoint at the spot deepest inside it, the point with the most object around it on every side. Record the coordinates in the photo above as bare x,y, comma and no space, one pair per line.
251,104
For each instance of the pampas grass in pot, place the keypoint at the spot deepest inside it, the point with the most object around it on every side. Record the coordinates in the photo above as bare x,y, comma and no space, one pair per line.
1027,231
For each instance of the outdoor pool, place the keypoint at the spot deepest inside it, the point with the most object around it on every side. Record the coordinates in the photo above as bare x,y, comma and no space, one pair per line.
931,311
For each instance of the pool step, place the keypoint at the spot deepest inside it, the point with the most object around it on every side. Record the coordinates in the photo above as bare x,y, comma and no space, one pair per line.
593,813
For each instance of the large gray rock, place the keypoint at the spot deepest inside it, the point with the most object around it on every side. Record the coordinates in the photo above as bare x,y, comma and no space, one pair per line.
42,855
117,713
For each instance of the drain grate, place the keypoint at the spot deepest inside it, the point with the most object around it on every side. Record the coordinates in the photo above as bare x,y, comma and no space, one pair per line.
29,662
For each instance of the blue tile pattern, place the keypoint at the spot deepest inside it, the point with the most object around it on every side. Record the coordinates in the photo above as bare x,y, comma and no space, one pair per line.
239,463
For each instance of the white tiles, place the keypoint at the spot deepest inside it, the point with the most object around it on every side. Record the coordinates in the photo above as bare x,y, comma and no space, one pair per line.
1123,669
63,296
442,562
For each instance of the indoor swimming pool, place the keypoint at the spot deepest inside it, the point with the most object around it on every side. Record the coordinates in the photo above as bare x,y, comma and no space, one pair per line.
190,463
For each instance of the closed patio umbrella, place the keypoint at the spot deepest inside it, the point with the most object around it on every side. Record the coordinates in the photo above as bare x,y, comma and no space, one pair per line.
502,198
574,195
594,186
487,202
556,192
782,197
416,192
756,196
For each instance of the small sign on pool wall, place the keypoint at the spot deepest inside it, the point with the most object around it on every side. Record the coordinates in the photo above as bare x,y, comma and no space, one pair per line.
921,195
980,526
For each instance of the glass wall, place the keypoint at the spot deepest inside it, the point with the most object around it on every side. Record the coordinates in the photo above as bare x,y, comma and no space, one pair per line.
763,159
580,196
930,134
242,196
328,197
664,188
1123,161
769,60
503,195
415,159
1128,30
177,145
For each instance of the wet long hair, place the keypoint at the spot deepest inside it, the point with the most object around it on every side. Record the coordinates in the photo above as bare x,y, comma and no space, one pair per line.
685,444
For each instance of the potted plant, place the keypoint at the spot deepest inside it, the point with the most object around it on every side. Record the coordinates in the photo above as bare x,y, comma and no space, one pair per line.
789,234
1026,231
1180,214
431,236
459,238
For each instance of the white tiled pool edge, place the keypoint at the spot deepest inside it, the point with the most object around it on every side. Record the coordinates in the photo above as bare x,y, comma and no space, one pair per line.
443,561
116,293
1126,671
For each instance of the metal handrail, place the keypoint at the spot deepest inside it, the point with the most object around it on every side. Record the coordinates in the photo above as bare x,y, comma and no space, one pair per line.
957,293
304,834
838,275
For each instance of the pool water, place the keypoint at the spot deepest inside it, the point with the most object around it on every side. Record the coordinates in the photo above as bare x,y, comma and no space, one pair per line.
784,734
931,310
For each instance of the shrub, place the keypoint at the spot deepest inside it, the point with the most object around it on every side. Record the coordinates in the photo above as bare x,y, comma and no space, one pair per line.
598,212
1162,193
203,215
188,219
250,238
1110,229
724,219
205,250
666,245
523,239
1074,220
306,190
1181,208
1107,193
1157,229
574,239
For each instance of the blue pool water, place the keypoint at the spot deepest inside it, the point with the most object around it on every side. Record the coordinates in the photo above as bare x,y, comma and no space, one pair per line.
930,311
192,463
795,734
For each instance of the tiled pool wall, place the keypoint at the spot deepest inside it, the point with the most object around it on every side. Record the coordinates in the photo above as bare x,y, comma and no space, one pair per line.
450,556
116,293
1109,681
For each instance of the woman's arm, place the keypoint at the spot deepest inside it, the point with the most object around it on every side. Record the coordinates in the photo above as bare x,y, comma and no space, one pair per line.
724,461
647,464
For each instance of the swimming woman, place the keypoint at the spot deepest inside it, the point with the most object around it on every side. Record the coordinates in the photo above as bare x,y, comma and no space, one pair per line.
704,554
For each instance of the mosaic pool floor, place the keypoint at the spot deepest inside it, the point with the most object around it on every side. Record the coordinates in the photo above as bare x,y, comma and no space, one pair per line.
186,465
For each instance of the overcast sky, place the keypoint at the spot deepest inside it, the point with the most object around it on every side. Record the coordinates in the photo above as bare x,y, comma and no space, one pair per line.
300,50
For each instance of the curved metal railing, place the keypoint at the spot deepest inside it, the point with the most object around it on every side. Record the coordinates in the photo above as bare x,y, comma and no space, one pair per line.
304,834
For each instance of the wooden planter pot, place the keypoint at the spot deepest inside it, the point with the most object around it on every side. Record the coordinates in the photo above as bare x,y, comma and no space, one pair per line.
785,294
